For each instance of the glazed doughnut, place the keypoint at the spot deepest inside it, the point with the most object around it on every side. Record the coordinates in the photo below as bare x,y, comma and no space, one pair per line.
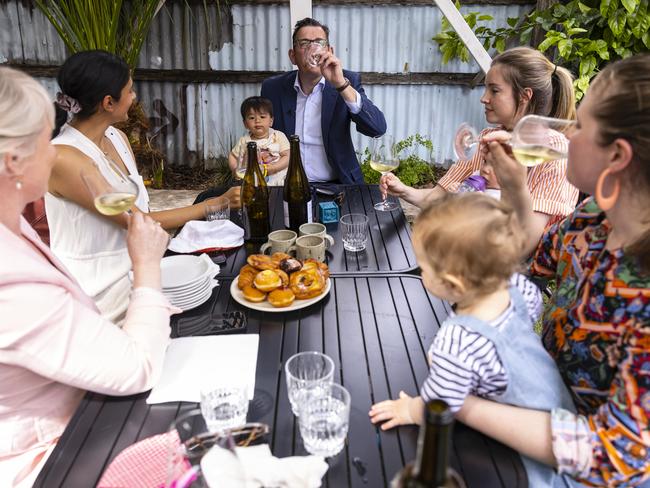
278,257
253,294
281,297
246,276
260,261
322,266
283,276
307,284
267,280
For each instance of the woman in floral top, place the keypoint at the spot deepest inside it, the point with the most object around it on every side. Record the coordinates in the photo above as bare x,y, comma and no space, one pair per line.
597,326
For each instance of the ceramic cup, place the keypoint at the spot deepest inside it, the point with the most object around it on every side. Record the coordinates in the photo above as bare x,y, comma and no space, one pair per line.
309,247
279,241
316,229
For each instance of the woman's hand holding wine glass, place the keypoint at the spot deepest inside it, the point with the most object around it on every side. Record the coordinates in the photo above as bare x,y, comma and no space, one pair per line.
384,159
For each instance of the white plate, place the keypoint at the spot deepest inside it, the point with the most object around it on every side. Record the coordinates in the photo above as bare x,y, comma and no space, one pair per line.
198,296
196,290
189,304
183,271
194,305
265,306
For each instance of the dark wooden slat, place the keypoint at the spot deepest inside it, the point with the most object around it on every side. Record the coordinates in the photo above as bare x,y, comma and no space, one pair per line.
64,456
396,240
399,229
105,430
338,474
388,441
369,259
362,435
284,421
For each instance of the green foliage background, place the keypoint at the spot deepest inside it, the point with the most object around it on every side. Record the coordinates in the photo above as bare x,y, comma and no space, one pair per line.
586,34
412,169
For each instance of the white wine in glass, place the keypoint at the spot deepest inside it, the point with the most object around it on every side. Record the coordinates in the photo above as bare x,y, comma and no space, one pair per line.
535,140
384,159
114,203
112,193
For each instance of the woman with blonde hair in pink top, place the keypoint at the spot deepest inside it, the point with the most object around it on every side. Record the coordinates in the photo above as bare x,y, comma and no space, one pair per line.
54,344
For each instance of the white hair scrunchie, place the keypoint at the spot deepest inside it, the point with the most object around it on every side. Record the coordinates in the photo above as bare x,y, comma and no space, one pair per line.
67,103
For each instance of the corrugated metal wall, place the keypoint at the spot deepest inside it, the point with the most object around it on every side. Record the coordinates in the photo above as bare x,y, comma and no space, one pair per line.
384,39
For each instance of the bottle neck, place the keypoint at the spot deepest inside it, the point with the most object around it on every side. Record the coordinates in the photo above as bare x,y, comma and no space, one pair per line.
434,443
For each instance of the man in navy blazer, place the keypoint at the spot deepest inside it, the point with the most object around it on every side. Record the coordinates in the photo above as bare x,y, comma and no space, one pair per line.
318,101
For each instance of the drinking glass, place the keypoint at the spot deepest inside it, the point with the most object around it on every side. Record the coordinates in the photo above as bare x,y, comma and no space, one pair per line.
354,232
224,407
534,139
314,52
324,421
193,438
242,162
384,158
112,194
308,375
218,211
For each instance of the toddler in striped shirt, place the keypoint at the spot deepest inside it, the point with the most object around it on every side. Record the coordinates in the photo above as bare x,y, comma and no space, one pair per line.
468,247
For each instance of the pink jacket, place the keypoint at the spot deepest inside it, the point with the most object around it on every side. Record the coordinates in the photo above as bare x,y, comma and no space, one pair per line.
54,345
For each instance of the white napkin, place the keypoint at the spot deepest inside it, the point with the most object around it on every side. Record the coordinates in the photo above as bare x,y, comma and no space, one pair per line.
194,362
197,235
255,466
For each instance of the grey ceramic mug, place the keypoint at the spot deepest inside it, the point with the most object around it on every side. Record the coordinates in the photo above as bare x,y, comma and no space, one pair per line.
316,229
307,247
279,241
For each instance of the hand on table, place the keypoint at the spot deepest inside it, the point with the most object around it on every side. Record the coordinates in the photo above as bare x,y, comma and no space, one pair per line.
395,412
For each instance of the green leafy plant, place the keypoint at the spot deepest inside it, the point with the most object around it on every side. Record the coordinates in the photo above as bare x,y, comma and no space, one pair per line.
115,26
412,169
585,34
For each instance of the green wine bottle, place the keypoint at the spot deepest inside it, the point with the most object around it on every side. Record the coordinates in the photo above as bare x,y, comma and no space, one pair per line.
431,466
254,199
296,194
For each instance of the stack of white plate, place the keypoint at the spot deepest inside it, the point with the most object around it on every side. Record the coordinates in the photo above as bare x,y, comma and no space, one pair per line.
187,281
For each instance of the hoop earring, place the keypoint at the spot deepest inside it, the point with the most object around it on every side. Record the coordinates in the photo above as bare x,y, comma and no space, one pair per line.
606,202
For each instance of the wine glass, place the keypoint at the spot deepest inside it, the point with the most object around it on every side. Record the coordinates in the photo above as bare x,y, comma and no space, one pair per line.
534,139
314,52
113,192
242,161
384,159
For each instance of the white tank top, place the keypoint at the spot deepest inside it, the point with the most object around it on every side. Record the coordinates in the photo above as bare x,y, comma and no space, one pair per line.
92,247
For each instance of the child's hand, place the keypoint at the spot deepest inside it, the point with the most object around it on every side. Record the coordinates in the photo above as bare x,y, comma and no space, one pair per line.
394,412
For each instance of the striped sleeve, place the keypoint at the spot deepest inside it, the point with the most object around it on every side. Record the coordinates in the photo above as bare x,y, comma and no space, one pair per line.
550,191
463,362
532,295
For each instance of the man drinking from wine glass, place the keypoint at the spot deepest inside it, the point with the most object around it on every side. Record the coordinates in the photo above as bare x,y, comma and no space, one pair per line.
317,102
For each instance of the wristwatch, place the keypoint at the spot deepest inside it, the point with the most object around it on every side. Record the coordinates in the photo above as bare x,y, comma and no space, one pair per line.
343,86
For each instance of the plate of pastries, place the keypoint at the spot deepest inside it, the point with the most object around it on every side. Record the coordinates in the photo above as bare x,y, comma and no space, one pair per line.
280,283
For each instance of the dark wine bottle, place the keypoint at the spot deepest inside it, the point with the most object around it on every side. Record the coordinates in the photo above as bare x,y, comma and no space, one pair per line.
297,195
431,466
254,199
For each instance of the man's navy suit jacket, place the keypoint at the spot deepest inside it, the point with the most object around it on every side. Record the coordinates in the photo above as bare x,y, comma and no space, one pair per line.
335,120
